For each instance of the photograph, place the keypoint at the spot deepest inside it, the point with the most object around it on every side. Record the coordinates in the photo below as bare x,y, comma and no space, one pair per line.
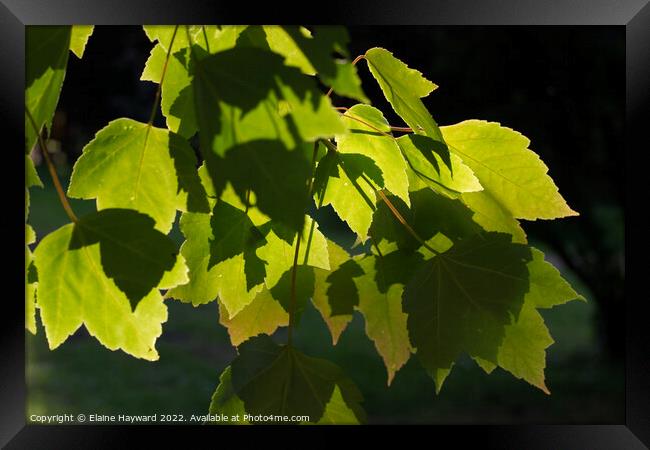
360,219
324,225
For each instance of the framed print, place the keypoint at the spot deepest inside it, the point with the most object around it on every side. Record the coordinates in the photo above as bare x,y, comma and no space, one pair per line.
360,219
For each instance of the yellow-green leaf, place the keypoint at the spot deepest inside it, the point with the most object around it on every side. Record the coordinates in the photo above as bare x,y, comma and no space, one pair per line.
134,165
508,170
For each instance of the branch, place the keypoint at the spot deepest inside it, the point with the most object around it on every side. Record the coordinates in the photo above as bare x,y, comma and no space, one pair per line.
55,177
154,108
292,298
390,205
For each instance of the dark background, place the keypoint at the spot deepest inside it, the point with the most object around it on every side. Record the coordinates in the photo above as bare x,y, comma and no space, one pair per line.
562,87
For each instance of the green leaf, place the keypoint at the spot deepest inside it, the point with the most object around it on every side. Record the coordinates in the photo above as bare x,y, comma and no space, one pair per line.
523,349
547,287
263,315
164,33
276,176
461,300
225,401
321,300
230,196
177,95
177,98
95,271
79,38
31,179
211,38
337,412
279,254
234,233
343,182
431,165
279,41
31,282
137,166
342,291
508,170
430,215
31,176
46,57
363,138
254,113
238,95
274,380
382,311
314,54
219,270
403,87
304,290
492,216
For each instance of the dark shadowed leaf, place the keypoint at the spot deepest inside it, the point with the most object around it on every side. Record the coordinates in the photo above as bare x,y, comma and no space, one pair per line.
462,300
280,380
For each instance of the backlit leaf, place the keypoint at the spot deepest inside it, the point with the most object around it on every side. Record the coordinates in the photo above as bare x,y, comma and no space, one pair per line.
103,272
335,323
523,349
314,53
403,87
46,58
348,183
382,311
431,165
492,215
219,270
547,287
365,125
263,315
79,38
30,282
508,170
177,96
137,166
279,254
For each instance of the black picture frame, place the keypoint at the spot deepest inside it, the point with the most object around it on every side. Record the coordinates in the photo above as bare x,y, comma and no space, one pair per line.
633,15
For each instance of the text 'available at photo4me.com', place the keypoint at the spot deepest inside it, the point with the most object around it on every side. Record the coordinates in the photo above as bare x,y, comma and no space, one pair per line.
162,418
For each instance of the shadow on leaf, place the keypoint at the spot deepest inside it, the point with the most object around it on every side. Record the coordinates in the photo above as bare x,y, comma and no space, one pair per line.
133,253
461,300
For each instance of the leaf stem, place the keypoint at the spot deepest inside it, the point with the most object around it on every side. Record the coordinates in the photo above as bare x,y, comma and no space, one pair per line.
401,219
392,128
404,129
50,166
369,125
292,298
205,37
154,108
248,201
311,190
390,205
